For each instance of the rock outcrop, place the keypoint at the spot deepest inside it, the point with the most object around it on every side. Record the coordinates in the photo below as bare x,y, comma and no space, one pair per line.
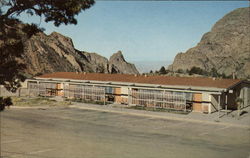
117,64
226,47
45,54
55,52
92,62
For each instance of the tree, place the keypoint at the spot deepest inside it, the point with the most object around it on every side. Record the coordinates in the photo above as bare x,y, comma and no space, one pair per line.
180,71
57,11
162,70
11,40
13,33
195,70
214,72
5,102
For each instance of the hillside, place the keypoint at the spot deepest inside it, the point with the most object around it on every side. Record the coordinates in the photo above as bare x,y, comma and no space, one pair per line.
226,47
55,52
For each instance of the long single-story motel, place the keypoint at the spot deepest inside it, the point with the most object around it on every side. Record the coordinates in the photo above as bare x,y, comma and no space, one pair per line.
180,93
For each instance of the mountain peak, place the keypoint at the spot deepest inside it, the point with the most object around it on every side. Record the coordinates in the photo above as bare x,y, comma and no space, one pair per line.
56,53
118,56
225,48
117,64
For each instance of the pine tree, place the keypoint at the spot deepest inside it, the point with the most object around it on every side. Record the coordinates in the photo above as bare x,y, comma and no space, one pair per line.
11,40
162,70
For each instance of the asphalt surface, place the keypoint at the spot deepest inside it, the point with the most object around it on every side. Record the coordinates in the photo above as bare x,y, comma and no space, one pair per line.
80,133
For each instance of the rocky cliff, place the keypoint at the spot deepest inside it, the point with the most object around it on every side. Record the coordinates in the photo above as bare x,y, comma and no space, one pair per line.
55,52
226,47
117,64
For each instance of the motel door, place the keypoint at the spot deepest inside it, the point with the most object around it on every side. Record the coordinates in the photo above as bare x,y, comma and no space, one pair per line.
197,99
59,89
118,98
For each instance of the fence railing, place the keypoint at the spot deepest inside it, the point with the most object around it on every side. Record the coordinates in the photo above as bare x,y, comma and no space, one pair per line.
21,92
168,100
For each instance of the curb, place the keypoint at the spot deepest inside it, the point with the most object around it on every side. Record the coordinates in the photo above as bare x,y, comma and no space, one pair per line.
160,116
134,113
29,107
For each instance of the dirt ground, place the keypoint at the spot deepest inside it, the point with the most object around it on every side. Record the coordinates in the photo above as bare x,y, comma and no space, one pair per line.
63,132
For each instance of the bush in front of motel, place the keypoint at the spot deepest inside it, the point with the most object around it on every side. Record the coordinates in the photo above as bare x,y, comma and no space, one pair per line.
5,102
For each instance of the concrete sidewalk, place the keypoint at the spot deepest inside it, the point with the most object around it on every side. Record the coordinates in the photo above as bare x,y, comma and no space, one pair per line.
228,120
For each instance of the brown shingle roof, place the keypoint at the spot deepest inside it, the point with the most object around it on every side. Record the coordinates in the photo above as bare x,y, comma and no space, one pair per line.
159,80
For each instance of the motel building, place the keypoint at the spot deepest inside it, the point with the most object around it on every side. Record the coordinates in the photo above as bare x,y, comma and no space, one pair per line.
197,94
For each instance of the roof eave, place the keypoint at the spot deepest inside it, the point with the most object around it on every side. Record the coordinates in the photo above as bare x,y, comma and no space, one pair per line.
190,88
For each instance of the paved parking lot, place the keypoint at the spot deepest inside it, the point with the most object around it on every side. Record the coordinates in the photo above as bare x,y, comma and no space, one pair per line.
78,133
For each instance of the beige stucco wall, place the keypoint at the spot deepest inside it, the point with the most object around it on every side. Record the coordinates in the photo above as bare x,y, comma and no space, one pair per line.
124,90
214,102
241,91
248,96
245,95
206,106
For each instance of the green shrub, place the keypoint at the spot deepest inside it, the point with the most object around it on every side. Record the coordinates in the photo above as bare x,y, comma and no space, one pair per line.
196,70
180,71
162,70
5,102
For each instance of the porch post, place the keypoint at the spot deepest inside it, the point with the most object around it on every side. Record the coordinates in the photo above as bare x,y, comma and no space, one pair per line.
28,84
210,104
154,100
38,84
226,104
104,102
219,106
129,96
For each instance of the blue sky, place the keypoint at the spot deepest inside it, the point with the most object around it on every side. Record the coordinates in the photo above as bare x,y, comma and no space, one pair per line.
143,30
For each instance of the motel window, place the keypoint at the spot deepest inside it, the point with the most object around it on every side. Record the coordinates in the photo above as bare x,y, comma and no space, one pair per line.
189,96
177,93
109,90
